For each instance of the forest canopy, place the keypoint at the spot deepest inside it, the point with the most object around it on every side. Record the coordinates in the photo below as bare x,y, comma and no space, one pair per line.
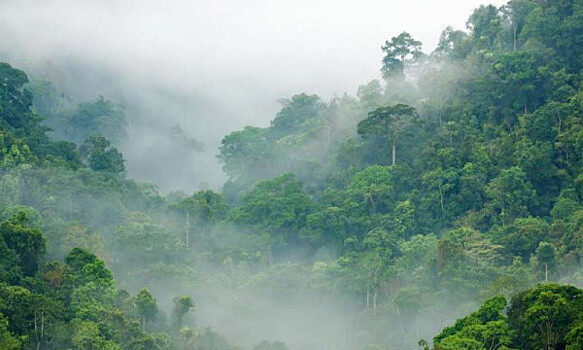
361,222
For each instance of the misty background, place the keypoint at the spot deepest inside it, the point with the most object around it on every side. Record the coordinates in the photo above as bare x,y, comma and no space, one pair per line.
210,67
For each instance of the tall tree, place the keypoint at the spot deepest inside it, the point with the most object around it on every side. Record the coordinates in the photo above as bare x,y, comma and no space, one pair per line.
390,123
400,52
145,302
28,243
100,155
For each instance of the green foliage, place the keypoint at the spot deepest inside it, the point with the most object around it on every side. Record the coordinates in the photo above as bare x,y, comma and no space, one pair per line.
510,195
279,205
26,243
146,306
389,123
485,199
486,328
101,156
182,305
542,317
295,112
400,52
98,118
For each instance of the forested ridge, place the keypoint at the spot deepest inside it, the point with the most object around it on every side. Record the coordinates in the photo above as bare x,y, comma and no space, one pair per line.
361,222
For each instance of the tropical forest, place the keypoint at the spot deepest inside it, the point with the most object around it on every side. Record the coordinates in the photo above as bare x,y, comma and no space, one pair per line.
438,207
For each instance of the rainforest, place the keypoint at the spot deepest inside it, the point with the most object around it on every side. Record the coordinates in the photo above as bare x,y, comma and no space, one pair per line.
438,207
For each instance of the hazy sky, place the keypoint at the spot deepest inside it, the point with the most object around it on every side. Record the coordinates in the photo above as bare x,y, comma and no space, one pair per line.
324,46
235,57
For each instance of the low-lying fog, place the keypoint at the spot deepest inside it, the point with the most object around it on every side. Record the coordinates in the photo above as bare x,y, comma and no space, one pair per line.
210,66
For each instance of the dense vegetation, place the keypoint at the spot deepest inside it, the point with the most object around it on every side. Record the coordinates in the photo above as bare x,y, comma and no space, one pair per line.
549,316
457,180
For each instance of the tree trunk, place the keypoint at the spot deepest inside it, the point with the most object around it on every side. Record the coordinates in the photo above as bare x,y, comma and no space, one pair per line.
36,331
546,272
514,36
394,151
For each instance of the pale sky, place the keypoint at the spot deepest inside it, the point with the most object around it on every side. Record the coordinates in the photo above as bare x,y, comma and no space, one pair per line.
325,46
235,57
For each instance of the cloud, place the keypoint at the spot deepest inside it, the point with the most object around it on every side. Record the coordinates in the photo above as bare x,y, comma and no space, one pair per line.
210,66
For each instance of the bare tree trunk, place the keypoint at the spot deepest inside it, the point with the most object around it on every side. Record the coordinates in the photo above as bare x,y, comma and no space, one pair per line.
514,35
36,331
400,323
42,328
546,272
367,298
394,151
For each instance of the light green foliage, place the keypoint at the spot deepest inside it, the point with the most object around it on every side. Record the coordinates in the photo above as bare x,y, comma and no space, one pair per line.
482,198
370,94
7,340
146,306
86,336
452,44
182,305
510,195
373,189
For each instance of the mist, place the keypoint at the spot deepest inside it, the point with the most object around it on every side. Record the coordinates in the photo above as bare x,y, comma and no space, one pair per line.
311,235
209,66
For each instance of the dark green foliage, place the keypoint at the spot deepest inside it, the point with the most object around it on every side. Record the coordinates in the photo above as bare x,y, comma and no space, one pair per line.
27,243
401,52
390,123
15,102
98,118
486,328
101,156
279,206
299,109
457,181
546,317
542,317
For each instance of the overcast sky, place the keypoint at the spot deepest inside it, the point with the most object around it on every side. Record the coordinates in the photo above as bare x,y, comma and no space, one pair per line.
237,57
324,46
